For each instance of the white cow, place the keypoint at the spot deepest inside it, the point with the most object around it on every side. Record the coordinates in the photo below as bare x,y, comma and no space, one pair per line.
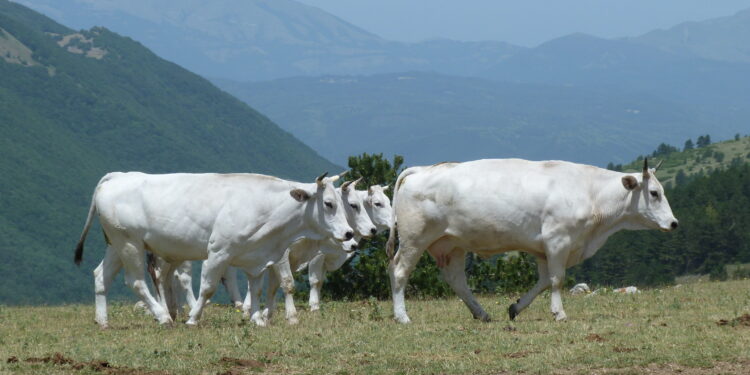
326,256
560,212
302,251
238,219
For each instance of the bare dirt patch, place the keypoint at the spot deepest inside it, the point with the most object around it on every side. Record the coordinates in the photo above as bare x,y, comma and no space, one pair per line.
520,354
239,365
619,349
59,359
728,368
740,321
595,338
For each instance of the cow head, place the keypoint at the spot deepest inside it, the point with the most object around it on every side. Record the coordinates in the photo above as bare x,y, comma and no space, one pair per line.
648,200
356,213
378,206
325,208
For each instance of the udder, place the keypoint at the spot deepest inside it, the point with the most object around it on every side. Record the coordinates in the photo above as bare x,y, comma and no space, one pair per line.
441,250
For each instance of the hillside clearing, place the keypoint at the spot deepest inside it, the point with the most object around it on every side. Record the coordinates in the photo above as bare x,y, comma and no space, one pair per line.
671,330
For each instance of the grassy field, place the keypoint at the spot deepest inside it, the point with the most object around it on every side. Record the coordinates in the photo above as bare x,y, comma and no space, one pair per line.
691,329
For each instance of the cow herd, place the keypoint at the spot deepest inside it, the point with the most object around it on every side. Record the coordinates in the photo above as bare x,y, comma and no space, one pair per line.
559,212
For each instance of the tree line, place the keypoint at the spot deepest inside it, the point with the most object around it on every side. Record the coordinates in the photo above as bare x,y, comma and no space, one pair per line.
714,214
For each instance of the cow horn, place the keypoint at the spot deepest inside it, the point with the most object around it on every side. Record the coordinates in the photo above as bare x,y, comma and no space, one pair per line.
645,167
336,177
354,184
320,179
345,185
658,165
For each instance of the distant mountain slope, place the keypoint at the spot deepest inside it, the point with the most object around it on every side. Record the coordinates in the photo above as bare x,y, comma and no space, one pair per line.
725,38
715,90
266,39
430,118
93,102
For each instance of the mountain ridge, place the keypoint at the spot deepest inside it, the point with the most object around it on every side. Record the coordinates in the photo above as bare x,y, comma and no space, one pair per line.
72,117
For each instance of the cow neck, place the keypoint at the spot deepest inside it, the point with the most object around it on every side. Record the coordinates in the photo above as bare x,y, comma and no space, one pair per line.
614,205
300,226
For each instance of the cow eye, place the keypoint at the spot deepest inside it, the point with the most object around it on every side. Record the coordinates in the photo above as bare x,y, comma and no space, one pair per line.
355,207
329,204
378,204
654,193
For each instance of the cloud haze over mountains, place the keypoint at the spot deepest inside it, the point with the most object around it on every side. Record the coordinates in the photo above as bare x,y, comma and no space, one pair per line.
692,75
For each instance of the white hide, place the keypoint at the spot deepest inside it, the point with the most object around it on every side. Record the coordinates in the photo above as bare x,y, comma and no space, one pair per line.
560,212
244,220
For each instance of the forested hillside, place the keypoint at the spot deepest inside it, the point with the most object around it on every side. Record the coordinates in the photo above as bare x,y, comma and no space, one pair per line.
76,105
695,158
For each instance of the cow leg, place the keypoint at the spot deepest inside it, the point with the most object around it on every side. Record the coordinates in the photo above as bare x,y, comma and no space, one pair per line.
169,296
454,274
231,285
399,270
282,273
273,287
254,289
316,274
184,277
211,272
542,283
556,269
133,261
103,276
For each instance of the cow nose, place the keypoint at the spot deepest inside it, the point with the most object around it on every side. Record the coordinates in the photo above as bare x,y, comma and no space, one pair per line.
354,247
674,225
349,235
374,231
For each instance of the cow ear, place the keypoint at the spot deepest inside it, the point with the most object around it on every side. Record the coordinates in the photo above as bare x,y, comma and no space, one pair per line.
299,195
629,182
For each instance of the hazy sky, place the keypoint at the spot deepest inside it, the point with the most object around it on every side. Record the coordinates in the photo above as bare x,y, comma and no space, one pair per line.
522,22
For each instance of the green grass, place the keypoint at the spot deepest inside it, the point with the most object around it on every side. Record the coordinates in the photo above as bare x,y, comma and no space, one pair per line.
617,333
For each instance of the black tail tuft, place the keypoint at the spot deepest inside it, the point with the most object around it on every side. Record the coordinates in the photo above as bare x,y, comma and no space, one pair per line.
79,254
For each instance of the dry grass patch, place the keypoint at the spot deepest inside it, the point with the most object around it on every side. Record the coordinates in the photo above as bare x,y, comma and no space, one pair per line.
657,331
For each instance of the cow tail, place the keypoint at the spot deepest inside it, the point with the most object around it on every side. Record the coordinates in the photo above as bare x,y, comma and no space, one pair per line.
89,220
391,244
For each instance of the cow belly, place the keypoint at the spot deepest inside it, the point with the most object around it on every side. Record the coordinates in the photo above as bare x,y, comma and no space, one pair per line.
442,249
176,249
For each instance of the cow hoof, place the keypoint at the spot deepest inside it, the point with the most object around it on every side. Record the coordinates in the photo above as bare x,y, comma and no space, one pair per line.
403,319
560,316
315,308
191,323
484,317
513,311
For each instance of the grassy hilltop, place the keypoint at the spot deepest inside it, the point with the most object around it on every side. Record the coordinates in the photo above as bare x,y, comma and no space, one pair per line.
691,329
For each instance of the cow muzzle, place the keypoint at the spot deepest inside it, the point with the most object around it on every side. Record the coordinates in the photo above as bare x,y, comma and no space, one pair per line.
672,226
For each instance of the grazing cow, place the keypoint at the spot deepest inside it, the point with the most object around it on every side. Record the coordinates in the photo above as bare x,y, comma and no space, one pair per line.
227,219
301,252
560,212
326,256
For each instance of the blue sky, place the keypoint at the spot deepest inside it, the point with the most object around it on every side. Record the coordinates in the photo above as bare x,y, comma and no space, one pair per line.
522,22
